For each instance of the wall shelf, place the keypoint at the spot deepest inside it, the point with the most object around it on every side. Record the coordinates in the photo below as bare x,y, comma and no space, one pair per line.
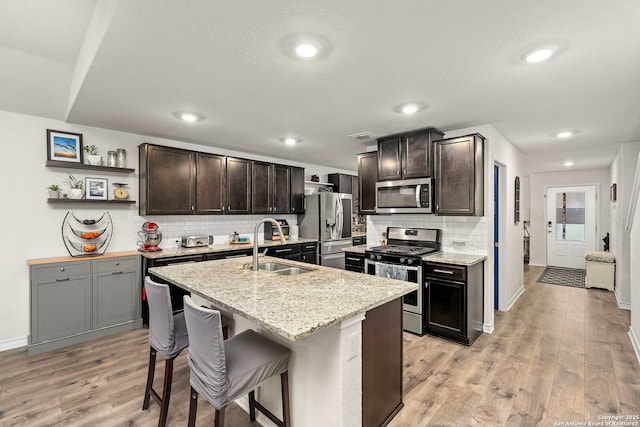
70,165
326,184
85,201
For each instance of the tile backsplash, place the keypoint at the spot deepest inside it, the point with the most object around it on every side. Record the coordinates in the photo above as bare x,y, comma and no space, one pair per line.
219,226
467,234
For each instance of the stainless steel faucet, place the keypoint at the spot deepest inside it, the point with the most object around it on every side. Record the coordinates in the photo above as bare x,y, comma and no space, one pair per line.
255,240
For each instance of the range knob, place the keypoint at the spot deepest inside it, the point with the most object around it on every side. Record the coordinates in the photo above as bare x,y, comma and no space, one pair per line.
403,260
372,256
410,261
378,257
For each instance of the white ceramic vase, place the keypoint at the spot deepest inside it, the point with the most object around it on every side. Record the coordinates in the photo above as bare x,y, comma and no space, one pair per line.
54,194
94,159
76,193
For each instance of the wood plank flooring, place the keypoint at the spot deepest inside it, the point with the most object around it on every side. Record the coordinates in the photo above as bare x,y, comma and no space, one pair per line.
560,354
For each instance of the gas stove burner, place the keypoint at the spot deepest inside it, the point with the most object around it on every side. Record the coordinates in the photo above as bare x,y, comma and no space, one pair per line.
403,250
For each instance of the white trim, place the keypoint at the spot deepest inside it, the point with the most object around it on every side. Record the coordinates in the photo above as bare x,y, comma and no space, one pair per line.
634,343
537,265
488,327
14,343
358,318
634,198
621,305
515,298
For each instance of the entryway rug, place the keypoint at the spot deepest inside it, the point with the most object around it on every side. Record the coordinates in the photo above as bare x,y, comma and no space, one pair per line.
563,276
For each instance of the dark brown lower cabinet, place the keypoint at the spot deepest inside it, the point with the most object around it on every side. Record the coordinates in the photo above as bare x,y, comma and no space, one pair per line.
382,364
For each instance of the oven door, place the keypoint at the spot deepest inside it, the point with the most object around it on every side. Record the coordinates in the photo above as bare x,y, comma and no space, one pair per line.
411,302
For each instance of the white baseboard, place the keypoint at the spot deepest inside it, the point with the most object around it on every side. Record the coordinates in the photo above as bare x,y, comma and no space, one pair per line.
634,343
622,305
14,343
515,298
488,327
537,265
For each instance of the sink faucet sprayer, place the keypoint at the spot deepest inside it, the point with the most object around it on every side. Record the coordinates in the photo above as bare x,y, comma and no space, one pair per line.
255,240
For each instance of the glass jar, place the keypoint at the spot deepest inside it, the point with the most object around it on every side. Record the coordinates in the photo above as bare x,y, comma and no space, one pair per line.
111,159
121,161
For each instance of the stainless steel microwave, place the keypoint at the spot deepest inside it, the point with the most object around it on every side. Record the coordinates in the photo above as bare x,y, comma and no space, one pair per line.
404,196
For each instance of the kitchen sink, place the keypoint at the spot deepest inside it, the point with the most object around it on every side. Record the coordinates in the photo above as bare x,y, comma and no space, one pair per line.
272,266
292,271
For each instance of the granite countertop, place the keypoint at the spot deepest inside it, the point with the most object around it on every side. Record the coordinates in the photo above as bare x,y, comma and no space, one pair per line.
290,306
454,258
220,247
359,249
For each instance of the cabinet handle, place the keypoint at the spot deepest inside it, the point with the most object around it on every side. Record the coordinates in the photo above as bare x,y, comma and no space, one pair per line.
279,251
63,280
61,268
236,256
426,285
354,259
117,272
192,208
435,270
118,263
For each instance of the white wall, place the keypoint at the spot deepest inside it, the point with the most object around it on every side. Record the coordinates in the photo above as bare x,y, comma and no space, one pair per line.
31,227
634,273
539,183
475,234
622,173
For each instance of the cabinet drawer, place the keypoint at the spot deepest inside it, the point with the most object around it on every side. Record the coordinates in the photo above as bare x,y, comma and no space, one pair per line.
309,247
447,271
115,265
62,272
287,250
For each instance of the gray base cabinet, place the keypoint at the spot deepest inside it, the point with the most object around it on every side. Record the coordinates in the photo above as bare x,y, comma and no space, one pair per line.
73,302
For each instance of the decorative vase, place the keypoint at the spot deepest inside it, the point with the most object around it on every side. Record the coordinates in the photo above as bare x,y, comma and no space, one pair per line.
76,193
54,194
94,159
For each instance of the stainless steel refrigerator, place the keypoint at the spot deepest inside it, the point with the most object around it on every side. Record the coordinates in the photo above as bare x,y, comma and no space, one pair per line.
327,217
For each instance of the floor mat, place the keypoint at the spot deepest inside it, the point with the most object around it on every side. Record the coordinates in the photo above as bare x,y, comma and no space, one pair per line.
563,276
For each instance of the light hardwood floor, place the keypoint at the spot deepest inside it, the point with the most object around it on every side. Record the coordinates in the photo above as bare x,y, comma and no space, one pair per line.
560,354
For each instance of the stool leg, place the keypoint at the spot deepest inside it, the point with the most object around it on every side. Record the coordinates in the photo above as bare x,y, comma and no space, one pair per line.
219,418
284,384
152,370
193,408
166,392
252,405
225,332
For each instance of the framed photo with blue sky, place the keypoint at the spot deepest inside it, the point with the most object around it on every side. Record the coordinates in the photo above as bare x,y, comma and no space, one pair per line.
64,146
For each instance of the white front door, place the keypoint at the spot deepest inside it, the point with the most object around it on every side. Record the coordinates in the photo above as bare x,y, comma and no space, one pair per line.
571,225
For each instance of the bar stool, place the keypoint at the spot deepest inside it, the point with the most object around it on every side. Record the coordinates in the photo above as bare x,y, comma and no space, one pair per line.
167,336
222,371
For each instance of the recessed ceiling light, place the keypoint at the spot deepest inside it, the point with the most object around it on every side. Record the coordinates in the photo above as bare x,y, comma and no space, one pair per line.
410,109
188,117
290,140
565,134
539,55
306,50
568,163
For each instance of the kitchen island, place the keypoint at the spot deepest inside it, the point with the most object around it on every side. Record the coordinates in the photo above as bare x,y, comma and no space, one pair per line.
344,330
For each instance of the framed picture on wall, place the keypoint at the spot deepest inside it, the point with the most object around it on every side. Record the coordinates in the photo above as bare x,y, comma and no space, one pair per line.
96,188
64,146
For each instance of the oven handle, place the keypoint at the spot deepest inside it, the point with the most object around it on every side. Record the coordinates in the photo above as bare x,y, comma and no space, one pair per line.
418,187
371,262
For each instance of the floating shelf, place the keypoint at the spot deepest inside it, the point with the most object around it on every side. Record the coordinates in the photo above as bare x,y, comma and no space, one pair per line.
329,184
71,165
115,202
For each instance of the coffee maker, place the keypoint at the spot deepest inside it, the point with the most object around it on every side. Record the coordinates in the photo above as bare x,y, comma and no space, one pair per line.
151,237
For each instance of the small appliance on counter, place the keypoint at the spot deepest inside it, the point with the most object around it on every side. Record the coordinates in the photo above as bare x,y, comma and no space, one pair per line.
151,237
272,233
196,241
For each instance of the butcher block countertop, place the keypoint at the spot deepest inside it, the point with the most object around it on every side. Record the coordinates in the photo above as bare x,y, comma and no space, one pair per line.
293,307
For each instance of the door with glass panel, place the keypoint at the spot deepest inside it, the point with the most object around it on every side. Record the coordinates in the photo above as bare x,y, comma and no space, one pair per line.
571,225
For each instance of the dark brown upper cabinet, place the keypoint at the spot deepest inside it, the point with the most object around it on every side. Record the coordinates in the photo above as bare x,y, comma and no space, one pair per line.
211,171
367,177
238,186
270,188
407,155
297,189
459,178
167,183
342,183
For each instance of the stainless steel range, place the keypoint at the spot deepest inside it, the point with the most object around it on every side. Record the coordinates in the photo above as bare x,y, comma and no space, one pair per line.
401,259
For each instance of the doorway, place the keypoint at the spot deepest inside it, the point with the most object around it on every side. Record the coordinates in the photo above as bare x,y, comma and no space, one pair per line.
496,237
571,225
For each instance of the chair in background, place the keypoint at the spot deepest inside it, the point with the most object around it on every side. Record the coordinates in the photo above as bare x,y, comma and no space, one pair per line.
222,371
167,336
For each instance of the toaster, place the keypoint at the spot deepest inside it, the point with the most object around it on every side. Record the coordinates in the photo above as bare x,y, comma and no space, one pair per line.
196,241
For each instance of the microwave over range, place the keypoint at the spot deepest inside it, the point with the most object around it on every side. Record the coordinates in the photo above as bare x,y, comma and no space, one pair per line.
405,196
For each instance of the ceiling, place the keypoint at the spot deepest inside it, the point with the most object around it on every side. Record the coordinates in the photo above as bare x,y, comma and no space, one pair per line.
129,65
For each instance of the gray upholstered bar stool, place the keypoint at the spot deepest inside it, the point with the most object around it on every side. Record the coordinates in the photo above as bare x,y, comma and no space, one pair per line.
167,336
222,371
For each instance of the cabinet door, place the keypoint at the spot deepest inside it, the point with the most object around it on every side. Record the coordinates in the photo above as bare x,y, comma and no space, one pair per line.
297,189
341,183
367,177
238,185
389,158
281,189
210,175
286,251
310,257
167,181
416,155
446,307
459,176
61,308
116,298
261,187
